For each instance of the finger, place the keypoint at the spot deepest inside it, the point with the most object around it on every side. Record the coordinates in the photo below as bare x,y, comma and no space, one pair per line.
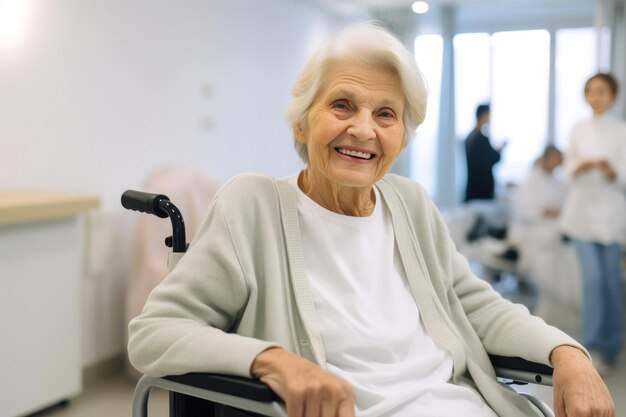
330,407
346,409
312,406
294,407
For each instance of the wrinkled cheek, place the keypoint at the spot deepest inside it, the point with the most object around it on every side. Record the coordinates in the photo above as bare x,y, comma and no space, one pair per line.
320,160
384,167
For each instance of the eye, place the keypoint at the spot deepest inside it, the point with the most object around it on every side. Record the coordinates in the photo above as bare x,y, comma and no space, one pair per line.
387,113
343,105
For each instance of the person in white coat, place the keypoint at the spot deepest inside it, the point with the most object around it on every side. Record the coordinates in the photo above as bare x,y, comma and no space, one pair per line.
537,205
542,195
594,217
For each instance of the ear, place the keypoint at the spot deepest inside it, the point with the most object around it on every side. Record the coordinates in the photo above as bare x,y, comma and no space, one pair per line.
299,134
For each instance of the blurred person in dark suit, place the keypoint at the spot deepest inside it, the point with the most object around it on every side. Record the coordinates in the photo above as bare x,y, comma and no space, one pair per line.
481,157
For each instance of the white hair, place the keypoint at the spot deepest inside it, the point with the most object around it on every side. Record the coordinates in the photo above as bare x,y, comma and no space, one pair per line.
372,45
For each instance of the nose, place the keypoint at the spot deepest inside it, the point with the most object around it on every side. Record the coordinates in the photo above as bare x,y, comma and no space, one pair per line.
362,126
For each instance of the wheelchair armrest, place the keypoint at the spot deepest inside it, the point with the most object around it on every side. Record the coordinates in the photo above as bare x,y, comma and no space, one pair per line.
241,393
506,367
521,370
248,388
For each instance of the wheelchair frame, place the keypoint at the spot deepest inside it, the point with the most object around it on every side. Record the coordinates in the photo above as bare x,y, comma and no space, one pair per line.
252,395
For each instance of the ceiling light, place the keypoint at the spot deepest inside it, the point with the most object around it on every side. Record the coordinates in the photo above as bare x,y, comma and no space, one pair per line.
420,7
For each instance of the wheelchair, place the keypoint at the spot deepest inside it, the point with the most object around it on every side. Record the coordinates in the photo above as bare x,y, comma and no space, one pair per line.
203,394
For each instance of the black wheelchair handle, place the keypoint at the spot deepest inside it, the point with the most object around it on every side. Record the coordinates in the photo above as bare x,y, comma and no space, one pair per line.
144,202
160,206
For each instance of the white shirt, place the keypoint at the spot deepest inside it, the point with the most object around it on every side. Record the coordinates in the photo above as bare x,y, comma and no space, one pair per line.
542,190
595,209
370,325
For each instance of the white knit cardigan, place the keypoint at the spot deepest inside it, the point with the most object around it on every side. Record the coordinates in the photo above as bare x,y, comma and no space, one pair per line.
241,287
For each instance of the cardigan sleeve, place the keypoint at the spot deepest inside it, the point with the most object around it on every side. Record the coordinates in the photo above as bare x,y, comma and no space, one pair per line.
504,328
185,323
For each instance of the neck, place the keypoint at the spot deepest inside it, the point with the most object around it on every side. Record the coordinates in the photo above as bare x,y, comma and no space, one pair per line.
349,201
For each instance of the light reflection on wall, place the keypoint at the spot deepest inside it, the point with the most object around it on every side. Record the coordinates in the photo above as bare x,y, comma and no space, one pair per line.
13,18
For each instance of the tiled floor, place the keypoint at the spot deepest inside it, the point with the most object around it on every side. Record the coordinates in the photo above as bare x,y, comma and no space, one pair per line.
109,397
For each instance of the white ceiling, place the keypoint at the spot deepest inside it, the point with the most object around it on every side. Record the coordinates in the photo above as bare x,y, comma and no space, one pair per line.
472,15
365,6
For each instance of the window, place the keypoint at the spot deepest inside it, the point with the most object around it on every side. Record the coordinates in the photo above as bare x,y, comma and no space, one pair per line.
519,114
472,78
510,70
574,64
428,53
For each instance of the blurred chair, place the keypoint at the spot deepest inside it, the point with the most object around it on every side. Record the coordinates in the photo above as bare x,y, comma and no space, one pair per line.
550,263
193,191
479,230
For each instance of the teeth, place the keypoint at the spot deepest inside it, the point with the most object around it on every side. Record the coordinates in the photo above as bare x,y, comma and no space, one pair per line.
356,154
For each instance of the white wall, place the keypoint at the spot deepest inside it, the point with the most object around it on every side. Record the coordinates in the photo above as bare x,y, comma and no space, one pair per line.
96,94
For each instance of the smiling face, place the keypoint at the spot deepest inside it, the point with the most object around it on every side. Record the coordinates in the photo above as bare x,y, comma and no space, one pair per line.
599,95
354,129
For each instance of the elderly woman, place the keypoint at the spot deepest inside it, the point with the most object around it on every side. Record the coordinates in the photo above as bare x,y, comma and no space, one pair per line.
339,286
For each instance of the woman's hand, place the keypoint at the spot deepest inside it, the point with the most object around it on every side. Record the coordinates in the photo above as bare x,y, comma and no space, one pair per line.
306,389
585,166
578,388
551,212
603,165
607,168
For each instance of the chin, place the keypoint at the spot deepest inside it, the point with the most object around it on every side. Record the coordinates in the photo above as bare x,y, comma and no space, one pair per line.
358,181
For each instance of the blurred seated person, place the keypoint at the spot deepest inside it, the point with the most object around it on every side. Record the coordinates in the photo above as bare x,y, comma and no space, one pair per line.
339,286
538,202
544,257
